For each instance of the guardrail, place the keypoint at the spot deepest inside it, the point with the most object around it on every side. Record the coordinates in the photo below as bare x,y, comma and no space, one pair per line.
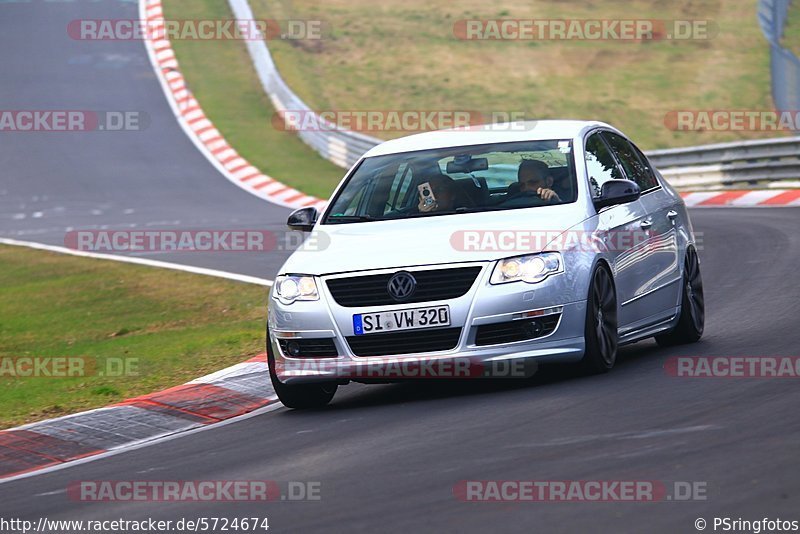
342,147
784,65
743,163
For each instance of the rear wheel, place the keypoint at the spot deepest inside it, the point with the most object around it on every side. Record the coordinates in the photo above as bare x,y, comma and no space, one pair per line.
601,324
299,396
691,321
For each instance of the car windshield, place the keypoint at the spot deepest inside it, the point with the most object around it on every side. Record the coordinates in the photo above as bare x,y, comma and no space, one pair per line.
453,180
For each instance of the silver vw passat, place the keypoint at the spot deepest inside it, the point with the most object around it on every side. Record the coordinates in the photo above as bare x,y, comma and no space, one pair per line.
479,252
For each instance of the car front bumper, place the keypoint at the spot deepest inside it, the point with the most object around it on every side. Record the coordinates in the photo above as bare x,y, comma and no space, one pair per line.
484,304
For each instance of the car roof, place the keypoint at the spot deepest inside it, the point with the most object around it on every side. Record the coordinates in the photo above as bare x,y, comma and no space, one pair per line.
484,134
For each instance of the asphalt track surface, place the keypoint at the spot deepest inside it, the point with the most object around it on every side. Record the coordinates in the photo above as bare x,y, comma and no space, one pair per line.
153,179
389,456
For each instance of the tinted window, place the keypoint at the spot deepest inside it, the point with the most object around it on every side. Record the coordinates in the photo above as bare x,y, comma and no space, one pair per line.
457,180
635,167
652,180
600,164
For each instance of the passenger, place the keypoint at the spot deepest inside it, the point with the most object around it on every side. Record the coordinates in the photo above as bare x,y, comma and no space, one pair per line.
444,191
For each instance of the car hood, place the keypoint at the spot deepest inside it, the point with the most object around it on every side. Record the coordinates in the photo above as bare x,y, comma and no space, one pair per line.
337,248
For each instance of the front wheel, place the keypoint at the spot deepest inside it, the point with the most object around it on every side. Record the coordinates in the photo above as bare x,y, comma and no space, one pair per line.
601,333
299,396
691,321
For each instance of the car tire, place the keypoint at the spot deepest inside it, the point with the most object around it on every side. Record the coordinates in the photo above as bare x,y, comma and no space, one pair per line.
601,334
299,396
691,321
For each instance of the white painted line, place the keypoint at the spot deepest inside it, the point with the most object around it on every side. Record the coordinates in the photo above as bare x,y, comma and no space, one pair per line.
139,261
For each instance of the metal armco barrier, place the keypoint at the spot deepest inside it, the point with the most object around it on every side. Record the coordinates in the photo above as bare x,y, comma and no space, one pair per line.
739,164
784,65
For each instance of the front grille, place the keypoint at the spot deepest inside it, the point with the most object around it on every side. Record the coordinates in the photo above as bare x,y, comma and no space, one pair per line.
308,347
408,342
371,290
520,330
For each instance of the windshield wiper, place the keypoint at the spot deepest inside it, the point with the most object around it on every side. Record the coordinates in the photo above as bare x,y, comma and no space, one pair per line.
350,218
462,209
473,209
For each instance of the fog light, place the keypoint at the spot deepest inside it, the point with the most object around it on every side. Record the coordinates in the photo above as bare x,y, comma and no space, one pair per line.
534,329
293,348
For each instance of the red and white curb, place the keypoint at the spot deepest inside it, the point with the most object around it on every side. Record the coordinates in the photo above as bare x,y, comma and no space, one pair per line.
766,198
200,129
218,397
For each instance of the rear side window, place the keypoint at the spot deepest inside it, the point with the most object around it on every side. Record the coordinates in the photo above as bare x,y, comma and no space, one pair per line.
635,164
600,164
652,181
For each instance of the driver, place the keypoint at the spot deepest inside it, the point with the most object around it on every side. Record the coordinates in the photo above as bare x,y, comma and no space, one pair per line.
534,178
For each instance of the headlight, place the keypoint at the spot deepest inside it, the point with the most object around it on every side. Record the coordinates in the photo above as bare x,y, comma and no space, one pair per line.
289,288
530,269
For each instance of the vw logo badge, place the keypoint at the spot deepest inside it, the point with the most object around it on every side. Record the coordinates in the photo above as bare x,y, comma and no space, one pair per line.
401,286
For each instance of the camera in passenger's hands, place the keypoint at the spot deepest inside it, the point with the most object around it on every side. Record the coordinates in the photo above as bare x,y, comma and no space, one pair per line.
426,194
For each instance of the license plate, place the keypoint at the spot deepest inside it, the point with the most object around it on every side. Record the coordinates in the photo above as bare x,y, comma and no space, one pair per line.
392,321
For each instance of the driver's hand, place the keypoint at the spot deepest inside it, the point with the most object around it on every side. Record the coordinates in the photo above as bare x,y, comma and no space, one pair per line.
547,195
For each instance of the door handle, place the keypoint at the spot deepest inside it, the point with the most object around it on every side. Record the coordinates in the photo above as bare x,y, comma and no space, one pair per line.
646,224
672,215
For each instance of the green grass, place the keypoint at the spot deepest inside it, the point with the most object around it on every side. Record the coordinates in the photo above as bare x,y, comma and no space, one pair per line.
402,54
221,76
174,326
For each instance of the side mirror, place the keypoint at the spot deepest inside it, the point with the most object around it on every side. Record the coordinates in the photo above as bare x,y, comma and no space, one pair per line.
616,192
303,219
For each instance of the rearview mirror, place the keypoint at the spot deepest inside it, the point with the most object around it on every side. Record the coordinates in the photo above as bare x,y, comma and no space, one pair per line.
303,219
466,164
616,192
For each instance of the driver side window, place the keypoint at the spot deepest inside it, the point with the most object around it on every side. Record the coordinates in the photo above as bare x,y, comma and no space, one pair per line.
600,164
